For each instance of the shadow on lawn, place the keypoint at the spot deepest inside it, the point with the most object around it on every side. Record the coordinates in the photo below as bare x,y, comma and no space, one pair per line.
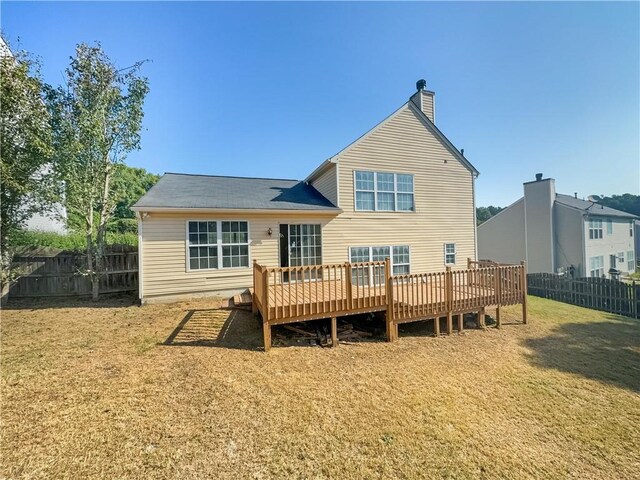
605,351
217,328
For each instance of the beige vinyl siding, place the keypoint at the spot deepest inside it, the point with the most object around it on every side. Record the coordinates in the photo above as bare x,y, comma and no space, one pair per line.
164,252
502,237
327,184
443,195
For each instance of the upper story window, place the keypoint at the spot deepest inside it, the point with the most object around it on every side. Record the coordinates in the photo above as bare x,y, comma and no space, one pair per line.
595,228
382,191
218,244
631,228
609,226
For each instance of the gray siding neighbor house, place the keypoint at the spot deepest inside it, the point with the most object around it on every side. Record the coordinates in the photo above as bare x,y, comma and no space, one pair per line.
559,233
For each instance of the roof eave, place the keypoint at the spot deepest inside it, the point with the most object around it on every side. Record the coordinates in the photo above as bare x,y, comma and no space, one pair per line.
282,211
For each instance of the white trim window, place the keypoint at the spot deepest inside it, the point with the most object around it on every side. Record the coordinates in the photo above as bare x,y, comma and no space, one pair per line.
215,244
400,256
631,261
449,253
609,226
596,266
620,257
595,228
305,244
383,191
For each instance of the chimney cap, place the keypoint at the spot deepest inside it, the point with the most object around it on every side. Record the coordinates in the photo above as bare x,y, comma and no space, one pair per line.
421,85
538,177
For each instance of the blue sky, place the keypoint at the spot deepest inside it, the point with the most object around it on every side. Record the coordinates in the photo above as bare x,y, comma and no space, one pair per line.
272,89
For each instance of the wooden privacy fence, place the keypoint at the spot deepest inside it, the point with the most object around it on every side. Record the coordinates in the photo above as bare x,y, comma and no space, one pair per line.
42,275
597,293
292,294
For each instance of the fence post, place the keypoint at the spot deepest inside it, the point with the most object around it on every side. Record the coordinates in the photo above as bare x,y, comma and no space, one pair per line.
449,295
389,295
498,288
523,281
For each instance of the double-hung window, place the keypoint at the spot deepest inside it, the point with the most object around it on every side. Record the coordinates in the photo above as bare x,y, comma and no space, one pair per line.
449,253
596,266
595,228
361,275
383,191
609,226
217,244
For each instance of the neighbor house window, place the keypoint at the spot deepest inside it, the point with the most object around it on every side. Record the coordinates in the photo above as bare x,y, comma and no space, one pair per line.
631,228
218,244
630,262
595,228
596,266
382,191
609,226
449,253
399,256
621,257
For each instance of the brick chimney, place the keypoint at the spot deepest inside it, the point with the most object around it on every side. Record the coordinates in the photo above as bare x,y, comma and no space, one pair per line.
424,100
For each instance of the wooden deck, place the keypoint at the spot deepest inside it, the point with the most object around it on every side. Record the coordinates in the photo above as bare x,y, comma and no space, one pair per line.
293,294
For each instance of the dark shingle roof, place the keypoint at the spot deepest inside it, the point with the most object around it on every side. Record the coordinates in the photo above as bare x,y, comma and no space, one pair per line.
590,207
177,190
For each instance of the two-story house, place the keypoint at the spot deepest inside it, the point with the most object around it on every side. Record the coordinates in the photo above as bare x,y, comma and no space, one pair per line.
401,191
559,233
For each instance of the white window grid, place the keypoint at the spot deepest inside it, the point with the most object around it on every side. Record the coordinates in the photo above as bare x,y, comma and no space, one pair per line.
596,266
399,255
375,186
227,244
450,253
595,229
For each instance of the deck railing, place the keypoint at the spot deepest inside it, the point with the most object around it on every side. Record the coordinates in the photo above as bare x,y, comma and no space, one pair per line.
288,294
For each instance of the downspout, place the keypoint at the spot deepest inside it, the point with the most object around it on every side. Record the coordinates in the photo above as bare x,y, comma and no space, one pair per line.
475,219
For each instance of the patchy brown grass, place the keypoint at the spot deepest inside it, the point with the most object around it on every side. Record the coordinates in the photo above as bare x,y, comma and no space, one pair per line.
93,392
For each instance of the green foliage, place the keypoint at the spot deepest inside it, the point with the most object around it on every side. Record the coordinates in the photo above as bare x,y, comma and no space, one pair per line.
96,120
25,147
626,203
75,242
131,183
485,213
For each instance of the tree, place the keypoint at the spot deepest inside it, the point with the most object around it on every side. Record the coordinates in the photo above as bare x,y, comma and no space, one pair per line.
485,213
96,121
131,183
626,203
25,148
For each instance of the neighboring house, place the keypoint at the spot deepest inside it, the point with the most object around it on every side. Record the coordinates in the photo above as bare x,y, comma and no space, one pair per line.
558,233
401,191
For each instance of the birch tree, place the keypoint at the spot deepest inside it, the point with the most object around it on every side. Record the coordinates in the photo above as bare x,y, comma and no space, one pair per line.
96,120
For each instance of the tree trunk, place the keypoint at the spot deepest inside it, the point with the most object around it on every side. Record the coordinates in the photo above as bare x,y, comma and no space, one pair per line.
102,225
95,283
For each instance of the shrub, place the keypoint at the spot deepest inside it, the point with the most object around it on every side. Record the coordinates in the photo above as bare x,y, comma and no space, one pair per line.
72,241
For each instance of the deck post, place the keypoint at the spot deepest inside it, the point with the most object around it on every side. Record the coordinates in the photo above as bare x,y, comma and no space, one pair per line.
254,304
468,263
265,294
524,291
348,286
449,296
481,319
389,295
460,322
334,332
498,288
266,332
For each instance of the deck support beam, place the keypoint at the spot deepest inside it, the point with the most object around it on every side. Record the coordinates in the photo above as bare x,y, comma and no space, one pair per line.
266,332
334,332
460,322
498,320
449,323
436,326
481,319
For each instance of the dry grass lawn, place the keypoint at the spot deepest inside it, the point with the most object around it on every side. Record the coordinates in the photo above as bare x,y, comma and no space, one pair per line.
94,392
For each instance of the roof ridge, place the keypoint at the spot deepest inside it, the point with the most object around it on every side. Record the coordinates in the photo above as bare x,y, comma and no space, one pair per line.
232,176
